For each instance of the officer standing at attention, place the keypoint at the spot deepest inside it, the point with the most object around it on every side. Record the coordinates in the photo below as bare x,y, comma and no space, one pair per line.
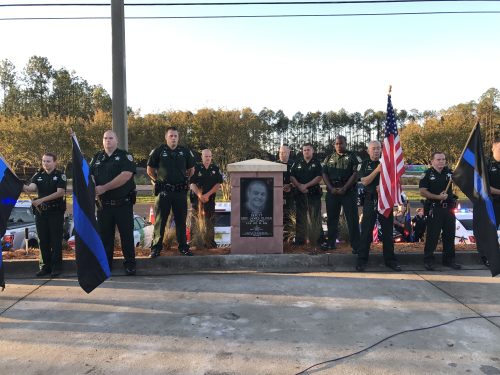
113,170
370,177
340,176
205,183
288,189
170,166
494,176
50,205
493,168
438,208
305,176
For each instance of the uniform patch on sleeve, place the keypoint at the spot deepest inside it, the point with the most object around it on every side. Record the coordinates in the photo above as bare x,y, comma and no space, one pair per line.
130,157
63,177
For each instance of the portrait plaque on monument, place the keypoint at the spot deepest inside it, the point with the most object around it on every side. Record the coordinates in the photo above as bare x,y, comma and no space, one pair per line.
256,202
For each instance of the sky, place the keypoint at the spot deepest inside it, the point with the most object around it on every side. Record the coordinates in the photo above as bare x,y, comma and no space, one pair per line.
293,64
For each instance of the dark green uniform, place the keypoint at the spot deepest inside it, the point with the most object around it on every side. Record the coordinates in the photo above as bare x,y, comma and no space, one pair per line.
288,199
370,215
308,205
171,187
493,168
205,179
115,207
440,215
50,219
339,168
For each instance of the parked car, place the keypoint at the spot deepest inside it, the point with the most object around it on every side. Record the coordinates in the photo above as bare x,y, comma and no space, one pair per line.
464,233
143,233
20,220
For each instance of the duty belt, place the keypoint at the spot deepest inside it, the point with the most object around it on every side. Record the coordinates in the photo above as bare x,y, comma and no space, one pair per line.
443,204
166,188
116,202
52,207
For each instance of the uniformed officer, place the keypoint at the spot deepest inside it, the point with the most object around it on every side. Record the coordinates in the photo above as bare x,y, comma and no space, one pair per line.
288,189
493,168
439,209
340,175
305,176
49,214
113,170
370,176
205,183
494,176
170,166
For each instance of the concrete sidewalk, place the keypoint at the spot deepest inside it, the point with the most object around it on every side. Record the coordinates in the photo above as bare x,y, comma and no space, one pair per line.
237,323
166,265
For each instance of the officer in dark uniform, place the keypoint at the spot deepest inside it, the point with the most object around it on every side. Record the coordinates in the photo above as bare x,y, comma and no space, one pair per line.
205,183
170,166
288,189
439,209
494,176
113,170
340,175
49,214
305,176
370,176
493,168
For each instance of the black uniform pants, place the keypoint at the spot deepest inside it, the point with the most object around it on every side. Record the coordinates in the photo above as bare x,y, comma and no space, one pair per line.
175,201
370,215
202,222
333,205
49,227
440,219
110,217
308,219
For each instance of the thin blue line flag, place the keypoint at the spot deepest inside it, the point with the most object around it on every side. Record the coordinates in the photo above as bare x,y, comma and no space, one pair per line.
472,178
91,262
10,189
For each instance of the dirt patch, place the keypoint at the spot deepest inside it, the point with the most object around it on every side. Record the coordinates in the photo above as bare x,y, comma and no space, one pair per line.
342,248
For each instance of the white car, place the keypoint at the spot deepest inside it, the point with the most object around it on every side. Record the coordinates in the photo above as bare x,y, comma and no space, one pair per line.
143,233
464,233
20,226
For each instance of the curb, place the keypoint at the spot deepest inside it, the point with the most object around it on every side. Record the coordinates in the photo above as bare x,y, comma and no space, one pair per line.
295,263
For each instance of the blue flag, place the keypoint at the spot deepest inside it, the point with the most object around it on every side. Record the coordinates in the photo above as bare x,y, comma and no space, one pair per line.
10,189
91,261
472,178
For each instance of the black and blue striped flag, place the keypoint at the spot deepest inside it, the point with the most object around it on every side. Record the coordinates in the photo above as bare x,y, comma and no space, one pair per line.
472,178
10,189
91,261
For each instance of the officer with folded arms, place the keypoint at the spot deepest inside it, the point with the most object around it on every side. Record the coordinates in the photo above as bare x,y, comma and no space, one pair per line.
439,209
340,176
170,166
50,205
113,170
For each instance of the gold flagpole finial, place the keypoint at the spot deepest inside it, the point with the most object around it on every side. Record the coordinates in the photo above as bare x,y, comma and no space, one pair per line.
390,89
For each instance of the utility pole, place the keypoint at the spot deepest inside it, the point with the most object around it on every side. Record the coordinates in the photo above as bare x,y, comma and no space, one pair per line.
120,121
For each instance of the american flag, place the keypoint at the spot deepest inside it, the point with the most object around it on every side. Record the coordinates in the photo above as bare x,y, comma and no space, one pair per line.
392,166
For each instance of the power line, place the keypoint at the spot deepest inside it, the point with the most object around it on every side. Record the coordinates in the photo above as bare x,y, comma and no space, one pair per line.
257,16
325,2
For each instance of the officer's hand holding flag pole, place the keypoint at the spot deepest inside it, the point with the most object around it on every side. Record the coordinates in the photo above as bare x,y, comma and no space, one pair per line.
91,261
10,190
471,177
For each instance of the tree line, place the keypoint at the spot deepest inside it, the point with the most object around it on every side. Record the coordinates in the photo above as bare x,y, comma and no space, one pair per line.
39,104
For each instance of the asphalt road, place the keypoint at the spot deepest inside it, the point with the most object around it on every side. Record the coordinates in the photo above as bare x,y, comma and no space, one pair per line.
254,323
